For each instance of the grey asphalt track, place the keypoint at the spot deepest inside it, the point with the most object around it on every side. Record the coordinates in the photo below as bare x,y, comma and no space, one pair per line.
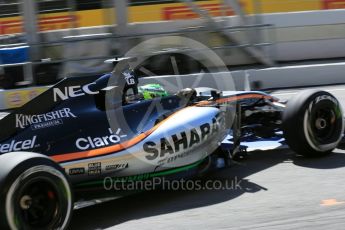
278,190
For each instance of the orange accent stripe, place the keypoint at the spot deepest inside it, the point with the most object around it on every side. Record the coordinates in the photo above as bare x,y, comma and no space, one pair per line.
331,202
109,149
233,98
140,137
236,98
105,150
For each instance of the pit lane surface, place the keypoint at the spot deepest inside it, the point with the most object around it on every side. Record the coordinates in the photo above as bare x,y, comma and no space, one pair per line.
277,191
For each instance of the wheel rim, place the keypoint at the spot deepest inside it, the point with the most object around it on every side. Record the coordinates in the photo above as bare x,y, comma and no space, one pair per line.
323,126
40,198
38,203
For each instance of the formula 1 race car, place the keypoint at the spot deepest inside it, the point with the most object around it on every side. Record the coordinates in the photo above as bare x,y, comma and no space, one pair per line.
59,147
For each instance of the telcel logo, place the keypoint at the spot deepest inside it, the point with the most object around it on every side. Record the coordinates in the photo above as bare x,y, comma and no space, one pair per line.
73,91
18,145
97,142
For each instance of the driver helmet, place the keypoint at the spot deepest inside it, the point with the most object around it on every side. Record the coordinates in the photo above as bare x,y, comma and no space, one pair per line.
151,91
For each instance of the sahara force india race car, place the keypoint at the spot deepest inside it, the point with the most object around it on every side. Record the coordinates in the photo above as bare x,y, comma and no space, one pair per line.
59,147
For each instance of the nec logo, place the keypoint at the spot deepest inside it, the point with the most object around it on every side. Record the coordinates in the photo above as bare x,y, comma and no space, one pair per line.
73,91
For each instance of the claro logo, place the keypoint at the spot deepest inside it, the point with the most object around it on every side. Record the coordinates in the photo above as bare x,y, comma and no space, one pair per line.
73,91
18,145
98,142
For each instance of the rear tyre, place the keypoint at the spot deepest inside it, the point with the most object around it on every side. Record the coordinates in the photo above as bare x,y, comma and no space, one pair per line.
313,123
35,193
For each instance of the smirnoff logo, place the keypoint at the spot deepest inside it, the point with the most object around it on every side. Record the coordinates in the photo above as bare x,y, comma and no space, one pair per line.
41,121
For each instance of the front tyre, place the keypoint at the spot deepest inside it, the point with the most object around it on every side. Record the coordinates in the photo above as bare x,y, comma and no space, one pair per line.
36,193
313,123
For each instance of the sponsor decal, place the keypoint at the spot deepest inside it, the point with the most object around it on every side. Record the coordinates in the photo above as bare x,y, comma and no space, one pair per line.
41,121
172,159
178,143
184,12
140,177
76,171
129,77
47,124
15,145
94,168
45,23
17,98
326,97
98,142
154,12
11,27
73,91
57,22
333,4
116,167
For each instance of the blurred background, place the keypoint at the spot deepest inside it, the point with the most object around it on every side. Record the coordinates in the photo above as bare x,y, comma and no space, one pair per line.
43,41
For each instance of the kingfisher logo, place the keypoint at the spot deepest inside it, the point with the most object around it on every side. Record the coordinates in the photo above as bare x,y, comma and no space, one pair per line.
15,145
73,91
43,120
98,142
